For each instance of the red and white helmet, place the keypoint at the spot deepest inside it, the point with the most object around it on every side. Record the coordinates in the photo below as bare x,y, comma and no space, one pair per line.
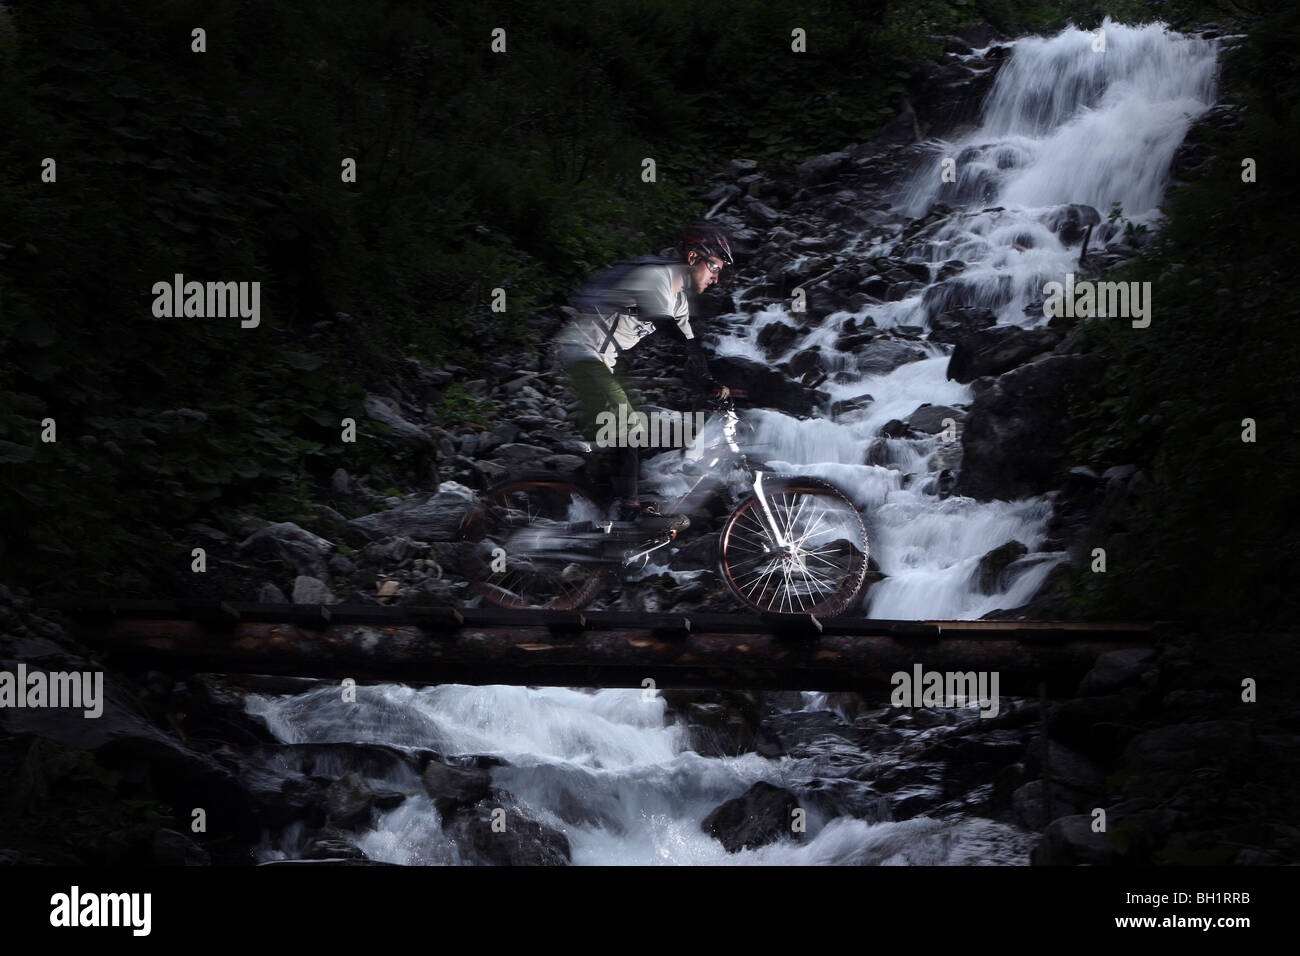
709,240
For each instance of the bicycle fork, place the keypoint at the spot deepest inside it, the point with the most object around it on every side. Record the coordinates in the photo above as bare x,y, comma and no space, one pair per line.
772,528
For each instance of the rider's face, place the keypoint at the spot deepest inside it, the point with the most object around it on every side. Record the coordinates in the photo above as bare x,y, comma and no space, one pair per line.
702,270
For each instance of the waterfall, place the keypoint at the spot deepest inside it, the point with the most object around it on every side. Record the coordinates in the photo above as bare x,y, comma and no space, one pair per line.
1065,125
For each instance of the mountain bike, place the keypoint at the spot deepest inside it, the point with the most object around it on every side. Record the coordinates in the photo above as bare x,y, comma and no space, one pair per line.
791,544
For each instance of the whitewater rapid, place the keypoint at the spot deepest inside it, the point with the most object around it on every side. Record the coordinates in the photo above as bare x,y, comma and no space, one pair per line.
1063,123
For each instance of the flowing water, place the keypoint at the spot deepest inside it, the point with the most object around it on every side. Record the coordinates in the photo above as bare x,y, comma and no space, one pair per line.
1064,123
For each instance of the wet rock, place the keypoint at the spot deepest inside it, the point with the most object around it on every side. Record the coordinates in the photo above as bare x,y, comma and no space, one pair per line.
1072,221
331,844
997,350
994,563
522,842
883,355
895,428
775,339
761,815
721,723
336,758
279,798
929,419
1013,444
850,405
454,787
957,324
776,388
349,800
808,733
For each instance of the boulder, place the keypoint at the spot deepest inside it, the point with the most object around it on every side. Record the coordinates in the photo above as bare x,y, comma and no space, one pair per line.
819,169
771,388
309,590
761,815
929,419
956,324
1115,669
387,412
522,842
997,350
882,355
1014,442
295,546
1070,841
349,800
994,563
1070,222
425,518
775,339
454,787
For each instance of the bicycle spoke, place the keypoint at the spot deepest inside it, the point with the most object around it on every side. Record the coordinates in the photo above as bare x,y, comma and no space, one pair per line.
818,568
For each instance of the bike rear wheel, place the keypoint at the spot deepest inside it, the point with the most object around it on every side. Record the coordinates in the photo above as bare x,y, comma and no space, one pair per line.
823,563
517,556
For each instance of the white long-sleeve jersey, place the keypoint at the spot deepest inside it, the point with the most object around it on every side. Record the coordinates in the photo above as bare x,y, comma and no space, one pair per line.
657,291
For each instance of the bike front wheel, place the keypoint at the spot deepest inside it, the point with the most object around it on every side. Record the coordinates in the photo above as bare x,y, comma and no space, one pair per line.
818,563
525,545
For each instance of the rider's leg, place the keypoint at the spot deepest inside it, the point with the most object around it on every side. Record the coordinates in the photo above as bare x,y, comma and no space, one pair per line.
607,419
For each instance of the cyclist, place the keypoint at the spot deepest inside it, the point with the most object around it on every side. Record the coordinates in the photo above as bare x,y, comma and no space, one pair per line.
613,316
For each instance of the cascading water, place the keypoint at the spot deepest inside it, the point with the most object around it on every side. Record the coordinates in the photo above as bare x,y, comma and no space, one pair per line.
1063,124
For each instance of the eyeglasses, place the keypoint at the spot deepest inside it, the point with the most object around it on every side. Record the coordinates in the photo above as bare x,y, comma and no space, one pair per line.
715,269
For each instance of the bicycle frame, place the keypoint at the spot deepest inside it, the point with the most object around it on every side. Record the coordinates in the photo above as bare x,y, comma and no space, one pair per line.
730,427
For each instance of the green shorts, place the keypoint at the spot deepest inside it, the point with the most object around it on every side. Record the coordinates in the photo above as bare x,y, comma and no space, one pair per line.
599,390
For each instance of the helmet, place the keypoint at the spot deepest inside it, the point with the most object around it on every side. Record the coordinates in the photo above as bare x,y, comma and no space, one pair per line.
709,240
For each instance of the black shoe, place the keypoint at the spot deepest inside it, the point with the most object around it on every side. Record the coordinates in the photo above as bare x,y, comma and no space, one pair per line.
646,516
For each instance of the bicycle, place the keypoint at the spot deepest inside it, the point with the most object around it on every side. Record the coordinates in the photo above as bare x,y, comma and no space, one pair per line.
793,545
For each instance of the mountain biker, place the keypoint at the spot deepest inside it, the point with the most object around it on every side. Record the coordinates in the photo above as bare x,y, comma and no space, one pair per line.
614,316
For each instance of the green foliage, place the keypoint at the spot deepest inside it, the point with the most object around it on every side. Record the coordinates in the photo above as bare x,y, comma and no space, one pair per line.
459,407
1219,538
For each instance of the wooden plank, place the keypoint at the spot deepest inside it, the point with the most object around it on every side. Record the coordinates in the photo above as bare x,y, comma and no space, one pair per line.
577,656
444,618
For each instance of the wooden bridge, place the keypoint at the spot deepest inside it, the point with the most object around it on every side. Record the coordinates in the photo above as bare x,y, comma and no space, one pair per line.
437,645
